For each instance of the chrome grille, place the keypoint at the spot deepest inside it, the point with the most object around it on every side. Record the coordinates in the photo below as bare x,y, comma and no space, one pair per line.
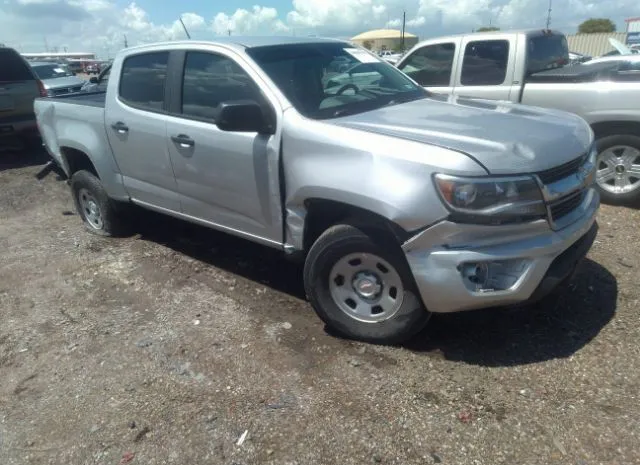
67,90
559,172
566,205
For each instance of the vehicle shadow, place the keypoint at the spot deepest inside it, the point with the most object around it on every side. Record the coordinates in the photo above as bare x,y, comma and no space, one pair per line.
555,328
13,156
229,253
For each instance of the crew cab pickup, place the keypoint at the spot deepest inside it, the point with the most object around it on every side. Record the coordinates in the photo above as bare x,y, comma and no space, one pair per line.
399,203
529,67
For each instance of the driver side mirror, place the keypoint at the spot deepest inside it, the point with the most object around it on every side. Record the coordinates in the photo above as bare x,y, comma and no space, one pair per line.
93,80
243,116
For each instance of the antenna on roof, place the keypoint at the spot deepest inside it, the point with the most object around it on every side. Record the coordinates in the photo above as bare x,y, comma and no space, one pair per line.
184,27
404,21
549,15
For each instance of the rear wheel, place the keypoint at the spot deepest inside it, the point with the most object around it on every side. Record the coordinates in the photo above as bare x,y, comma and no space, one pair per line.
362,288
98,212
618,169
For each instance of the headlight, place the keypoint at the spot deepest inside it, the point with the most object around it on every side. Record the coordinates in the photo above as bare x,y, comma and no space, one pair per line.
50,93
491,200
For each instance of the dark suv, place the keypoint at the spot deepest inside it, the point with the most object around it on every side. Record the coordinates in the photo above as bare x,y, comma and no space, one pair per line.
18,88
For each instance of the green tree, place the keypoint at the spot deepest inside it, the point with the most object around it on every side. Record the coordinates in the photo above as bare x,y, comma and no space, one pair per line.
594,25
488,29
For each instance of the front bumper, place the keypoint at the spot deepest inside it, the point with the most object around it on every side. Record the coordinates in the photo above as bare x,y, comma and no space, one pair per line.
536,259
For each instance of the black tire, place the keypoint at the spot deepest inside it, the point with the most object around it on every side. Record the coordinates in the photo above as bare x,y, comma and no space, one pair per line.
338,242
629,198
111,222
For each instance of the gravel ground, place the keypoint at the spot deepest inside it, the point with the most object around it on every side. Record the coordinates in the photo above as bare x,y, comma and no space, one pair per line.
179,345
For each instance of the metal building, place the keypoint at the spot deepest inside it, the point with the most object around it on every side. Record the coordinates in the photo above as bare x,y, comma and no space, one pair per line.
594,44
385,39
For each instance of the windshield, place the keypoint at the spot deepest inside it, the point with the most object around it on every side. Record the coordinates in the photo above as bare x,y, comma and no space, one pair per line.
547,52
329,80
52,71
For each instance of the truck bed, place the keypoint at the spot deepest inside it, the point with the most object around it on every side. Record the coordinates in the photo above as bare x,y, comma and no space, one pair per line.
573,74
89,99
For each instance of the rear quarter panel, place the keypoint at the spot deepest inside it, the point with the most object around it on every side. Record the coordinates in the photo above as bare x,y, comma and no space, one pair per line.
75,126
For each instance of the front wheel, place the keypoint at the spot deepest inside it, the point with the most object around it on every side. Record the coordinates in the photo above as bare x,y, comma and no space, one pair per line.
618,169
362,288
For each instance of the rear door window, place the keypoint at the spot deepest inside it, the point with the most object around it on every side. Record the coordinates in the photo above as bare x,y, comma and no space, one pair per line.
13,68
143,80
431,65
485,63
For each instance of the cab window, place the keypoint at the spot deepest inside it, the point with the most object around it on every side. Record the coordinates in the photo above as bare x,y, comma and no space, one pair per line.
485,63
431,65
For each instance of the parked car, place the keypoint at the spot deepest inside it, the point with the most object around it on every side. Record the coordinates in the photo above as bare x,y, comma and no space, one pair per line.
575,57
399,202
75,67
57,78
92,68
98,84
19,86
530,67
623,62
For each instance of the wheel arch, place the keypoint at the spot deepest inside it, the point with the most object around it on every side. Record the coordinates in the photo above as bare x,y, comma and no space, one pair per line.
616,128
320,214
76,160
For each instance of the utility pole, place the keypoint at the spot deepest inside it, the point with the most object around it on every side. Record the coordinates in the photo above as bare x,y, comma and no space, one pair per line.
185,28
549,15
404,20
126,44
46,45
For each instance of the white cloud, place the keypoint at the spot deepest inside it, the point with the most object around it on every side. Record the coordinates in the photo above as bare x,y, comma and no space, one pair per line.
244,21
336,14
99,25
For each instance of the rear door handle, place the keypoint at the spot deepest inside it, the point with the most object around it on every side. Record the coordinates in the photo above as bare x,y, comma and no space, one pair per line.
183,141
120,127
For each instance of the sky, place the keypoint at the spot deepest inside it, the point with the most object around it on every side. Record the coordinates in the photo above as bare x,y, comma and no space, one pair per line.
99,26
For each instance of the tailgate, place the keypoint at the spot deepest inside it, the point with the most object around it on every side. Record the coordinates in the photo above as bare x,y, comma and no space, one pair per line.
16,99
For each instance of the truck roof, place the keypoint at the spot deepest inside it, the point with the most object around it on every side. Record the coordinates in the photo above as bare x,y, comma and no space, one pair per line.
238,41
526,32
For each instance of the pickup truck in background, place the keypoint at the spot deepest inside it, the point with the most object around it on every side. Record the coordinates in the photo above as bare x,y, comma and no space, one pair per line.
400,204
529,67
19,86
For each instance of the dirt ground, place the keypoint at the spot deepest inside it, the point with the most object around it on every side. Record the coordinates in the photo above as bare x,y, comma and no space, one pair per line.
168,346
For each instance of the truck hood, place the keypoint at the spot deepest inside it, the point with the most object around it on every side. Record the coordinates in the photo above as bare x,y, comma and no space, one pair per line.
67,81
505,138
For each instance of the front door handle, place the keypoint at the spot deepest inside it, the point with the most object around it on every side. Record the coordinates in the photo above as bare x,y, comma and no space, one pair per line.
120,127
183,141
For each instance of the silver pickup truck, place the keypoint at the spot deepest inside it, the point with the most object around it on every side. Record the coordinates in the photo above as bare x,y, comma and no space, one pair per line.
399,203
529,67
